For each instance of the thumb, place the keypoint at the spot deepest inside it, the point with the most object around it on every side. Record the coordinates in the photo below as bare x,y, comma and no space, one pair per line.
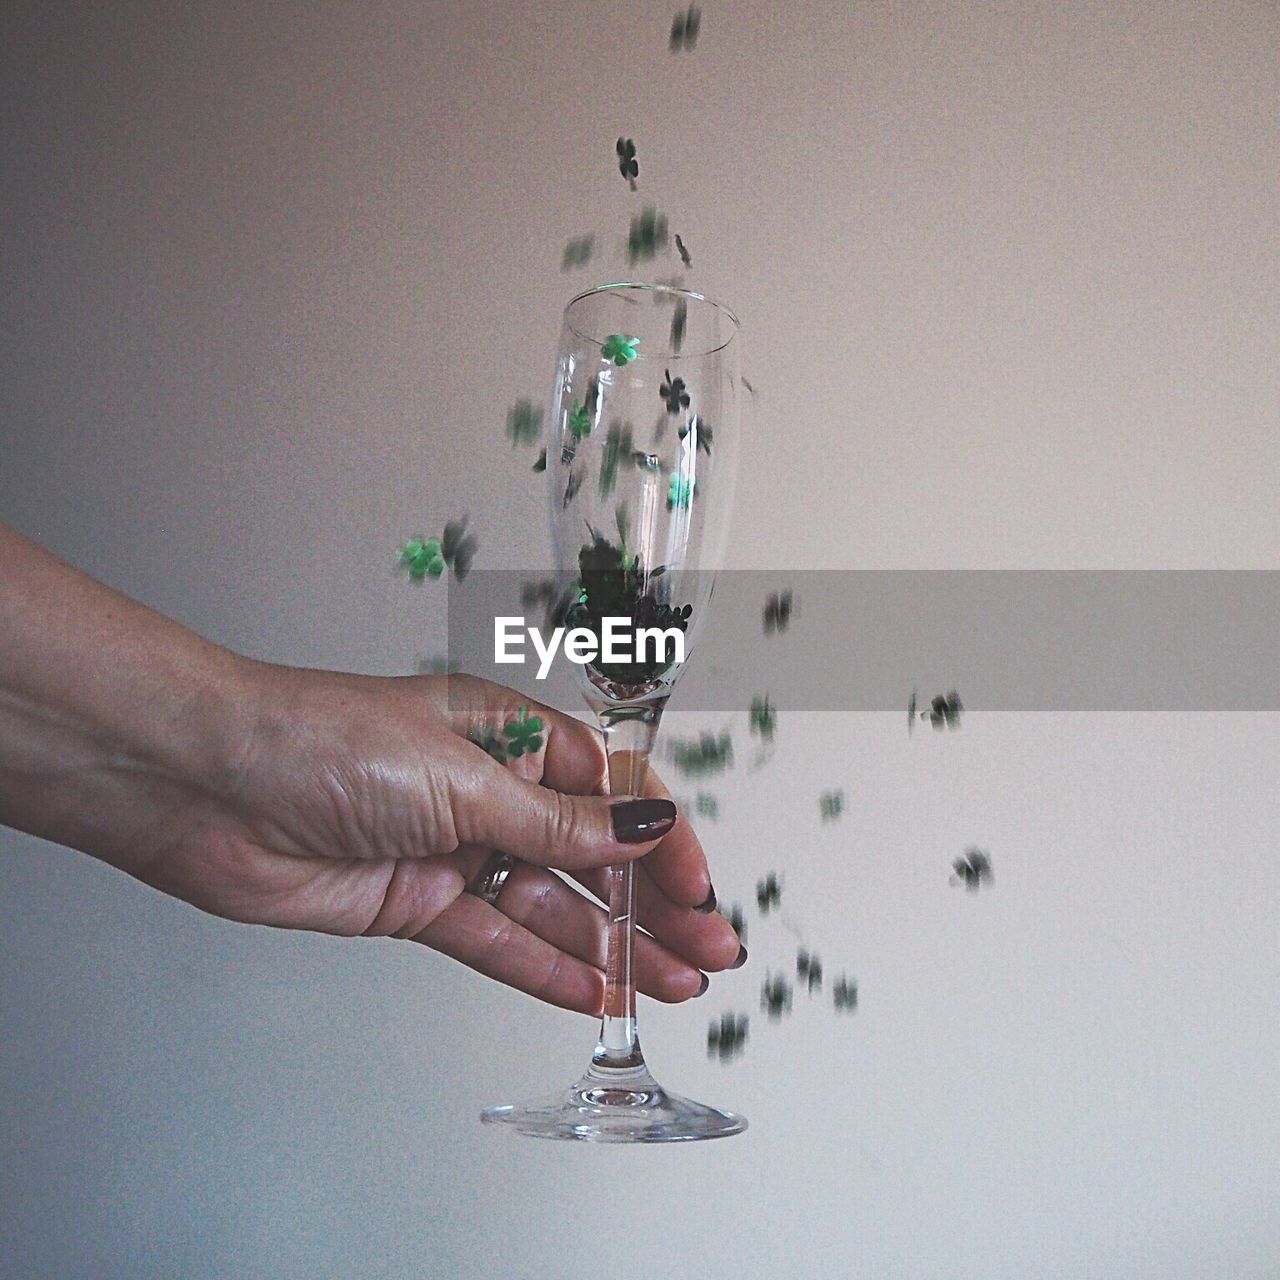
555,829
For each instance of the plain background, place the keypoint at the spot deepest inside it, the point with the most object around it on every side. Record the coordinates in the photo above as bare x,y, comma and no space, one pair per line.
273,275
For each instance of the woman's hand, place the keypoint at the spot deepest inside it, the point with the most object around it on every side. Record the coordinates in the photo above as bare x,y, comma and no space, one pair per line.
313,800
359,806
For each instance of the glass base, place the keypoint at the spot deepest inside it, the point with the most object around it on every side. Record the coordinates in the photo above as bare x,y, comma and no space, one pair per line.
617,1105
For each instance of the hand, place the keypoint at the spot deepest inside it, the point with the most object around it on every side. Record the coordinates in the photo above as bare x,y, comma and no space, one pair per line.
359,806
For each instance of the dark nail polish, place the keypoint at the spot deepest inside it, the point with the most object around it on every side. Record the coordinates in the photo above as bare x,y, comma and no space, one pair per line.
702,990
741,960
635,821
708,905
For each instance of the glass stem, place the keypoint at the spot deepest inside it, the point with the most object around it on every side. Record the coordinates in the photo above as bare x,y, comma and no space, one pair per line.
628,738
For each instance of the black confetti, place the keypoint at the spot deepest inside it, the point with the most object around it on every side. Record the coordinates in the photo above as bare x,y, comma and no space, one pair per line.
972,870
777,612
684,30
628,165
683,252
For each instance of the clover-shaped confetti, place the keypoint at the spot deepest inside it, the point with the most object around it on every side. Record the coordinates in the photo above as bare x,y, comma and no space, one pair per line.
726,1038
809,969
845,994
647,235
680,492
777,611
458,547
768,893
524,422
707,805
775,996
705,754
628,165
673,392
701,433
523,735
944,711
579,423
577,253
972,870
763,718
831,805
421,556
684,30
620,348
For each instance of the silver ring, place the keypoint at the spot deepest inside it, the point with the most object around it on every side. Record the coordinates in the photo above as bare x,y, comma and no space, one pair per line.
487,883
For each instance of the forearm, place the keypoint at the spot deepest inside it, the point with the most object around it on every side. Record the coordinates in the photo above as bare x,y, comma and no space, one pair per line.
111,715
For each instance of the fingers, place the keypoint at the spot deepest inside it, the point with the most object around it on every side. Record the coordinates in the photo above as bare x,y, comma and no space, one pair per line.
678,866
480,936
572,756
705,940
490,805
546,939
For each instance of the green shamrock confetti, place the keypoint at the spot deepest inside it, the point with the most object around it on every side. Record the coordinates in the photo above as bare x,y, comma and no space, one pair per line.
764,719
832,805
580,423
620,348
680,492
523,734
707,805
423,558
647,235
524,422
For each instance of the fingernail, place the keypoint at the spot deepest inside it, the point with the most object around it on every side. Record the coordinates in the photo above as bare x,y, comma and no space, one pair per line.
741,960
635,821
708,905
702,990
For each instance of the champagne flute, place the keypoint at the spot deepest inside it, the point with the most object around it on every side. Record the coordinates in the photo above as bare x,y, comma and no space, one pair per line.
641,457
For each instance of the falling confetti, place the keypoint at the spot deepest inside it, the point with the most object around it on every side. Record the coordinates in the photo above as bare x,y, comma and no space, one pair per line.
620,348
674,394
684,30
679,321
701,433
683,252
577,253
763,718
524,422
768,893
777,612
944,711
845,994
648,234
831,805
422,558
775,996
628,165
972,870
809,970
726,1038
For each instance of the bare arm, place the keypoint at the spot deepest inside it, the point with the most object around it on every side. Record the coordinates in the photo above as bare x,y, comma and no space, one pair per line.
319,800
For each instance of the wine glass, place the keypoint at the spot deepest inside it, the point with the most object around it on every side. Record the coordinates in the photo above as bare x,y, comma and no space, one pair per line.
641,458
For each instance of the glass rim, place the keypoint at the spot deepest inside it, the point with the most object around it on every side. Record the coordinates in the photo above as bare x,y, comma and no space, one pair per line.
675,290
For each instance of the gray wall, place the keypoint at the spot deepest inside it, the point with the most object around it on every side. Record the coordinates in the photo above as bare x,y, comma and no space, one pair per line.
273,275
